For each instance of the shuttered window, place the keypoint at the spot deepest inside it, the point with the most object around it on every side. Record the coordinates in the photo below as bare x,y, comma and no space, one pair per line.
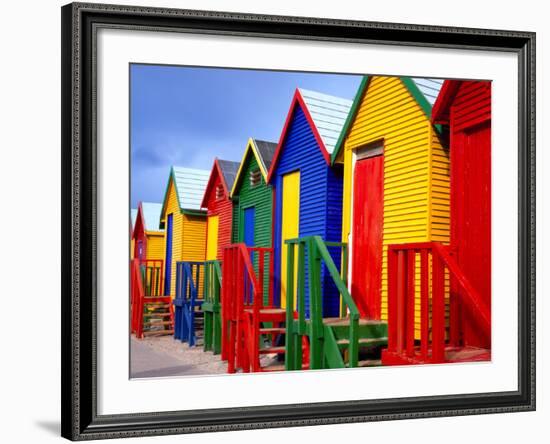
219,192
255,177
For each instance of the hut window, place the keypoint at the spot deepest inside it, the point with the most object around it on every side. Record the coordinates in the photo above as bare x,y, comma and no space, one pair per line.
219,192
255,177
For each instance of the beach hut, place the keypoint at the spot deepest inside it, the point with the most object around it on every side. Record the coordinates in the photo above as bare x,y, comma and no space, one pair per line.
184,221
252,196
133,215
308,190
396,181
217,202
147,235
465,107
253,199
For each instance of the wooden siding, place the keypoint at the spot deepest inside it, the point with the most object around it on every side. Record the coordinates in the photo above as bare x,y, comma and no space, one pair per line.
222,207
155,245
470,126
472,105
300,151
172,207
416,169
261,198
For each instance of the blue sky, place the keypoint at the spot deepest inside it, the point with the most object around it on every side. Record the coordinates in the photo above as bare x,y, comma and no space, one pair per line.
187,116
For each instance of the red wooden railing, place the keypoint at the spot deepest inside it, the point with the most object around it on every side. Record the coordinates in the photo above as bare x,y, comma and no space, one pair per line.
435,258
146,284
137,293
247,274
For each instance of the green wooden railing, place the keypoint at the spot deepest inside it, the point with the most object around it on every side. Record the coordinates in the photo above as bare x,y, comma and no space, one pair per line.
211,306
297,325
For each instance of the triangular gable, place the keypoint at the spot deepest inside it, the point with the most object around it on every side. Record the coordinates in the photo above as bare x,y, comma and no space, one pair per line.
215,174
139,223
147,218
326,115
440,112
263,152
189,185
424,91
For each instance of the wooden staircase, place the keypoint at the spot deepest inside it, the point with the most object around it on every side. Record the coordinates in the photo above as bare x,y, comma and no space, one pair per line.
211,307
189,318
336,342
157,316
151,311
440,277
252,327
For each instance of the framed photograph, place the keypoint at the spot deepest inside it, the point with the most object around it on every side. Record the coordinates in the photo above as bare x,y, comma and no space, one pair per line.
276,221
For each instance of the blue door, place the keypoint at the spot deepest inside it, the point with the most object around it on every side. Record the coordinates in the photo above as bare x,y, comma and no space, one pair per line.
248,234
168,258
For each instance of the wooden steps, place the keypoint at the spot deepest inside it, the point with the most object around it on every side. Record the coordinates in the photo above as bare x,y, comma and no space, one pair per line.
269,350
158,332
369,363
157,319
452,354
364,342
272,330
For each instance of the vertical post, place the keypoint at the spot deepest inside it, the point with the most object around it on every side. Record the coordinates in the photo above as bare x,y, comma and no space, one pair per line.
226,292
261,264
438,309
290,345
344,274
424,301
301,297
270,279
454,309
392,300
315,308
400,299
411,300
216,317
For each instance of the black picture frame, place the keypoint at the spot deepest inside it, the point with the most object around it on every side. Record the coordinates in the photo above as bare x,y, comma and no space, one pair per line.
79,210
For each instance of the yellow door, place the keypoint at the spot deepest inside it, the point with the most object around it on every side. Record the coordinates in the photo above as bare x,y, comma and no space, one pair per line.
289,226
212,238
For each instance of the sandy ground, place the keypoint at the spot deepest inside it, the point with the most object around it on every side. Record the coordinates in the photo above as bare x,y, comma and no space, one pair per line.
164,356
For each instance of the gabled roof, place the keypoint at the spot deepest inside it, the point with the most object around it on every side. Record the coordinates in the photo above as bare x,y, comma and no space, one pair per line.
263,152
326,116
147,218
440,112
229,170
423,90
226,170
150,212
189,184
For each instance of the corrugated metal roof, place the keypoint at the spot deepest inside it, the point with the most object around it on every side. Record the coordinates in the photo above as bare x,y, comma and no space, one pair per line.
190,184
428,87
266,150
133,216
151,215
229,170
329,114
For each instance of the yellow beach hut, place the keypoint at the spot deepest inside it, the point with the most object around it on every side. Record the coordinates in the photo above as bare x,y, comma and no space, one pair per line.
396,181
147,235
133,216
183,220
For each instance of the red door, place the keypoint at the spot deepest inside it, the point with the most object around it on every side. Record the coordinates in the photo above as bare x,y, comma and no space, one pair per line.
471,218
368,195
